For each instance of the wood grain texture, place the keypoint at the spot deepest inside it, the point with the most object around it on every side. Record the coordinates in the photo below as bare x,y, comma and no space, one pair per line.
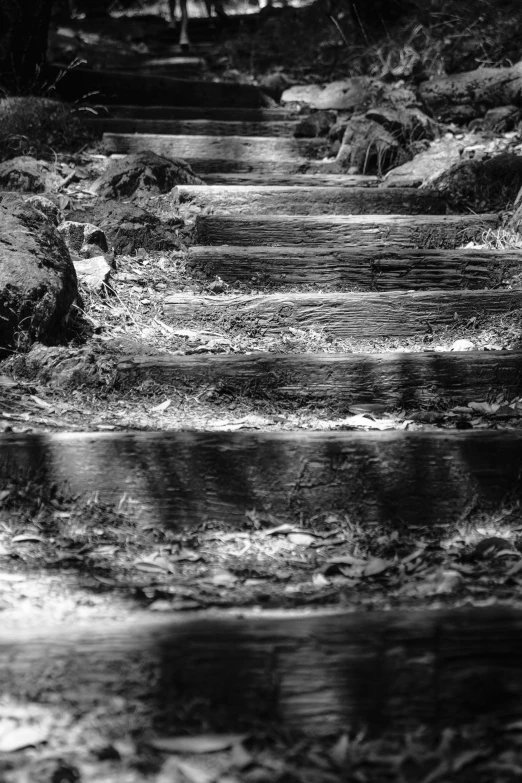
302,200
316,672
234,148
358,267
427,231
317,179
182,478
335,380
116,87
343,316
190,127
214,113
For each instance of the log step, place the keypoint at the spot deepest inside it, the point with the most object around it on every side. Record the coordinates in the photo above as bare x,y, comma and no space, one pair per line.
238,149
300,200
338,380
119,88
317,673
101,125
183,478
318,179
215,113
359,267
426,231
343,316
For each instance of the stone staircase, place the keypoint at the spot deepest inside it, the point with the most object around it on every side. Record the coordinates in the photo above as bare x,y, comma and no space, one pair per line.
374,263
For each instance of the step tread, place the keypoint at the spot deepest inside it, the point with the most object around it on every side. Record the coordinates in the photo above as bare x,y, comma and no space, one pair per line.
421,231
362,266
342,379
236,148
210,113
343,315
205,127
303,200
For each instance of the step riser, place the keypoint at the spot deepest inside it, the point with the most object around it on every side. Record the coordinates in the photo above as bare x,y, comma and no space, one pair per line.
359,268
209,113
183,478
320,675
191,127
312,201
343,316
336,381
444,232
317,179
238,149
113,87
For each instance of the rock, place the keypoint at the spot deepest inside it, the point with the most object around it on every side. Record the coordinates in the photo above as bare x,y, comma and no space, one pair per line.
77,234
274,84
28,175
426,166
501,119
46,207
94,272
405,124
316,124
128,227
482,89
482,185
344,95
37,279
63,368
367,147
302,93
143,173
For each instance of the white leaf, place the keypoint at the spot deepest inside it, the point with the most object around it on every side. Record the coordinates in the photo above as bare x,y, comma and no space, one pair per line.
23,737
319,580
202,743
376,566
301,539
162,407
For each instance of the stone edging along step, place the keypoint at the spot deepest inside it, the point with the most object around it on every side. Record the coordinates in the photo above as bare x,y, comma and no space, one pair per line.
364,267
187,477
420,231
359,315
316,673
302,200
338,380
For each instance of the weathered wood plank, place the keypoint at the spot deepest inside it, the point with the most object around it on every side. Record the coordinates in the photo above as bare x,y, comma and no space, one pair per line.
182,478
358,267
343,316
300,200
101,125
235,148
317,179
316,672
120,87
426,231
216,113
338,380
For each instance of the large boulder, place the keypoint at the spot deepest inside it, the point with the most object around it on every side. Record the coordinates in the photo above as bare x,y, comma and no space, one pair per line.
482,185
28,175
344,95
143,173
37,279
367,147
129,227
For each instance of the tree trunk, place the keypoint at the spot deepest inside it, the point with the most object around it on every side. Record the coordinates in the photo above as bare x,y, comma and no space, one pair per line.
24,26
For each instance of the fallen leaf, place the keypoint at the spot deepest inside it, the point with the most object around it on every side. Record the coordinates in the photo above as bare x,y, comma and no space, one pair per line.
41,403
202,743
301,539
23,737
339,751
162,407
376,566
223,579
484,407
23,539
319,580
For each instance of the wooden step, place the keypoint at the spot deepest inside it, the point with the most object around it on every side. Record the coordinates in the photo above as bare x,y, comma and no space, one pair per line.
338,380
361,267
102,125
81,84
314,180
239,149
183,478
343,316
216,113
300,200
426,231
315,672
